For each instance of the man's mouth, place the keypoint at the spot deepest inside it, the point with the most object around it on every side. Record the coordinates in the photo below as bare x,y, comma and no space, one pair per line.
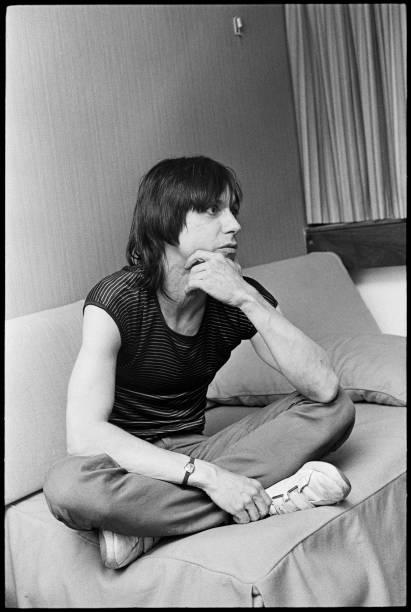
229,248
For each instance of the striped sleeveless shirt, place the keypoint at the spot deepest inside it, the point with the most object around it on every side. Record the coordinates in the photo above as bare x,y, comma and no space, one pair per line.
162,376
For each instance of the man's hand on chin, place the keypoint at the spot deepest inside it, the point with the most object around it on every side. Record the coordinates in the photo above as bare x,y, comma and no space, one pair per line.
219,275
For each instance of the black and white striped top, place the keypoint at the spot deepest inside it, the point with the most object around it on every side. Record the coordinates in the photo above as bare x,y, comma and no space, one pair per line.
162,376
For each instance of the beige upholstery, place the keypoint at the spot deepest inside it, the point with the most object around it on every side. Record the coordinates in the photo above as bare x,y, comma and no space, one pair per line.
40,351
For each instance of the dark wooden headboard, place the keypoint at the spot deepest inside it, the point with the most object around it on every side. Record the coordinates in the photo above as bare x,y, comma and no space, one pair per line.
366,244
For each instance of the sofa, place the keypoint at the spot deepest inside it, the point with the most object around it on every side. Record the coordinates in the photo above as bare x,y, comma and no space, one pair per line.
350,554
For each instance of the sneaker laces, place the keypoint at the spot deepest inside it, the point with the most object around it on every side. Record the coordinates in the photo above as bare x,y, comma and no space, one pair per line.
294,498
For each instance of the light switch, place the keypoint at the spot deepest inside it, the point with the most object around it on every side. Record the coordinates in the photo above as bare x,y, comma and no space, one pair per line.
238,26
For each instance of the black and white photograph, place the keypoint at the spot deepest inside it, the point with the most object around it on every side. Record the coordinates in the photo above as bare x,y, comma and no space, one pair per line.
205,305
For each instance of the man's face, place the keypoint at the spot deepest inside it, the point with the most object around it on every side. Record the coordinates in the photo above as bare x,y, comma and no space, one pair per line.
213,230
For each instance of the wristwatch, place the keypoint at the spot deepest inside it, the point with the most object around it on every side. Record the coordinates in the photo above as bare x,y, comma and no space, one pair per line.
189,468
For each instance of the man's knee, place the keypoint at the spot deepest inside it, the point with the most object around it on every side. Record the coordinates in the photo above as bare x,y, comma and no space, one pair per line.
342,417
57,482
340,412
344,409
59,492
72,496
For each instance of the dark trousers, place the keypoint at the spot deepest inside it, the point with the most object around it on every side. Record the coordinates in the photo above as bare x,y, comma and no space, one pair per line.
271,443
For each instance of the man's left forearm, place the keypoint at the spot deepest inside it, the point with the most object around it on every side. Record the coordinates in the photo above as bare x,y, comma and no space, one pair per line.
303,362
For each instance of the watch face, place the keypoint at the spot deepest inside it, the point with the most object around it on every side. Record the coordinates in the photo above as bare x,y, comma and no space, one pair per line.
190,467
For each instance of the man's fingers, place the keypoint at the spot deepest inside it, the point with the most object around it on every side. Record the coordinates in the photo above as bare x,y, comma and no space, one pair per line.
198,256
263,507
195,279
241,517
253,511
266,498
198,267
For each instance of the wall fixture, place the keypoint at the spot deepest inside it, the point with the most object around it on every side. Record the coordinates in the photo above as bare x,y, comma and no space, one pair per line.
238,26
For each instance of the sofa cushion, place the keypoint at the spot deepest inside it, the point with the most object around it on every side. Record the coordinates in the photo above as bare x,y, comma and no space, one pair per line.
323,557
371,367
40,350
316,293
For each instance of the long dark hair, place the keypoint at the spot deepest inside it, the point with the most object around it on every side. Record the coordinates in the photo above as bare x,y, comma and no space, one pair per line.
165,195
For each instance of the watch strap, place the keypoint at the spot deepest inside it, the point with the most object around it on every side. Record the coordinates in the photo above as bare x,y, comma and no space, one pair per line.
189,469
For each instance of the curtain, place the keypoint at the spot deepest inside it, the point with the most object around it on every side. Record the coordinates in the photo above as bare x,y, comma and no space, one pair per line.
348,68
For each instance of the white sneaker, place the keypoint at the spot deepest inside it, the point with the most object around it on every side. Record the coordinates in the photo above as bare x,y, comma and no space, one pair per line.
316,483
119,550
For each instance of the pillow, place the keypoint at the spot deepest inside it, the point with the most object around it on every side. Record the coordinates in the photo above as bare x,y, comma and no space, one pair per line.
371,367
246,380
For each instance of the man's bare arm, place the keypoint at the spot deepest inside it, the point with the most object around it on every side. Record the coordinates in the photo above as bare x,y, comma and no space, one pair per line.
90,401
302,361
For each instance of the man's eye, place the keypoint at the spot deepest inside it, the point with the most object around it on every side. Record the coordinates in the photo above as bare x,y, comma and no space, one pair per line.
213,210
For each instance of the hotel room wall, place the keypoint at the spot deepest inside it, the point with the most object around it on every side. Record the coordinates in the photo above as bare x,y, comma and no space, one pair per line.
96,94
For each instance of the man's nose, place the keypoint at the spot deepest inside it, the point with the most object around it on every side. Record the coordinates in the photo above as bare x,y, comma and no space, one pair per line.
230,223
